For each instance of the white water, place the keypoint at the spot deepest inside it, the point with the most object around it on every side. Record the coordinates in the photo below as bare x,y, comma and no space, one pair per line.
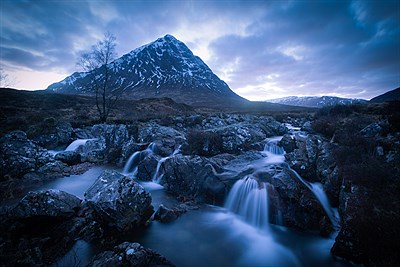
136,157
157,177
317,190
77,143
213,236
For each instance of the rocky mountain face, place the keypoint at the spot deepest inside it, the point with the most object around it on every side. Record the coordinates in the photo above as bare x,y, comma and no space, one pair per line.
315,101
393,95
163,68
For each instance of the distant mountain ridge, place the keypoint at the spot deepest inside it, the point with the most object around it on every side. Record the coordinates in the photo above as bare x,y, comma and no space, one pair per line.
163,68
315,101
393,95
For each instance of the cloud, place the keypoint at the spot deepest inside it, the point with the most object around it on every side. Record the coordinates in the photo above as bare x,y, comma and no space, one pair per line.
261,48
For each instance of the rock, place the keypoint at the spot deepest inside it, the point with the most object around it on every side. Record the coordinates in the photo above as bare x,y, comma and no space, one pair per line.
288,143
147,167
347,243
130,254
119,202
239,132
307,127
58,135
46,204
193,177
164,214
92,151
167,139
68,157
107,144
295,202
372,130
19,155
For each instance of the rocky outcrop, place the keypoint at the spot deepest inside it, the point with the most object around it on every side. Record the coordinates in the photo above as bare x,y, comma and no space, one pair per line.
119,202
59,135
311,157
68,157
106,142
51,203
193,177
24,164
39,229
167,139
292,203
19,155
130,254
239,132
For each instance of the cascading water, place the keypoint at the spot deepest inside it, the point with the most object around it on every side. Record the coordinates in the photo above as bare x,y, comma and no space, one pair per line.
136,157
248,197
157,177
316,189
77,143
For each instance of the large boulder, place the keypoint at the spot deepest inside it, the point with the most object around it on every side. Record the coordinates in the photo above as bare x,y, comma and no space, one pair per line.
130,254
119,202
240,132
58,135
167,139
312,158
193,177
106,144
50,203
19,155
294,202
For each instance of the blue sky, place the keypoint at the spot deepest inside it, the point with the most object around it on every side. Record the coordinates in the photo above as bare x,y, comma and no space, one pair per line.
262,49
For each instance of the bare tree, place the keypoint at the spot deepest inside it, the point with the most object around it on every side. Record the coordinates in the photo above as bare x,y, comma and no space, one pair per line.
96,63
5,80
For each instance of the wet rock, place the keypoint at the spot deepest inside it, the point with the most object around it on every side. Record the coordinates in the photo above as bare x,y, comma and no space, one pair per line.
288,143
130,254
68,157
49,203
107,144
167,139
347,243
92,151
119,202
239,132
193,177
297,205
147,167
164,214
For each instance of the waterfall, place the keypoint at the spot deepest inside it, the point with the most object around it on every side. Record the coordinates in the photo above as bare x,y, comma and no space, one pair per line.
317,190
136,157
77,143
157,177
249,199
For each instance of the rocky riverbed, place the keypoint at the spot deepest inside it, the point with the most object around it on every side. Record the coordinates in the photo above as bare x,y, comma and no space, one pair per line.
197,159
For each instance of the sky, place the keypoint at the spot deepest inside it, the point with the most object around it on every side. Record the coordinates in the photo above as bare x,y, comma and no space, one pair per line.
261,49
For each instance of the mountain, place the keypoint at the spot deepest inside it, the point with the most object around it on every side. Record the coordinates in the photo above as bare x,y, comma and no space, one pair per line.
163,68
393,95
315,101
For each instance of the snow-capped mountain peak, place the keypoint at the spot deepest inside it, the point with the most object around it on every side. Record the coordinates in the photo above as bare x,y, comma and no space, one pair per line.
164,67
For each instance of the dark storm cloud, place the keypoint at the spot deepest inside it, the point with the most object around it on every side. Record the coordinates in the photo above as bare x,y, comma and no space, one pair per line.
342,47
261,48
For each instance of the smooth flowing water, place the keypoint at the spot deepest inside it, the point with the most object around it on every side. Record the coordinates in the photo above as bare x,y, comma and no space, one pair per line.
235,235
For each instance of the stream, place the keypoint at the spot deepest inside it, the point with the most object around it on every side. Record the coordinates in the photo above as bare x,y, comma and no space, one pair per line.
237,234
